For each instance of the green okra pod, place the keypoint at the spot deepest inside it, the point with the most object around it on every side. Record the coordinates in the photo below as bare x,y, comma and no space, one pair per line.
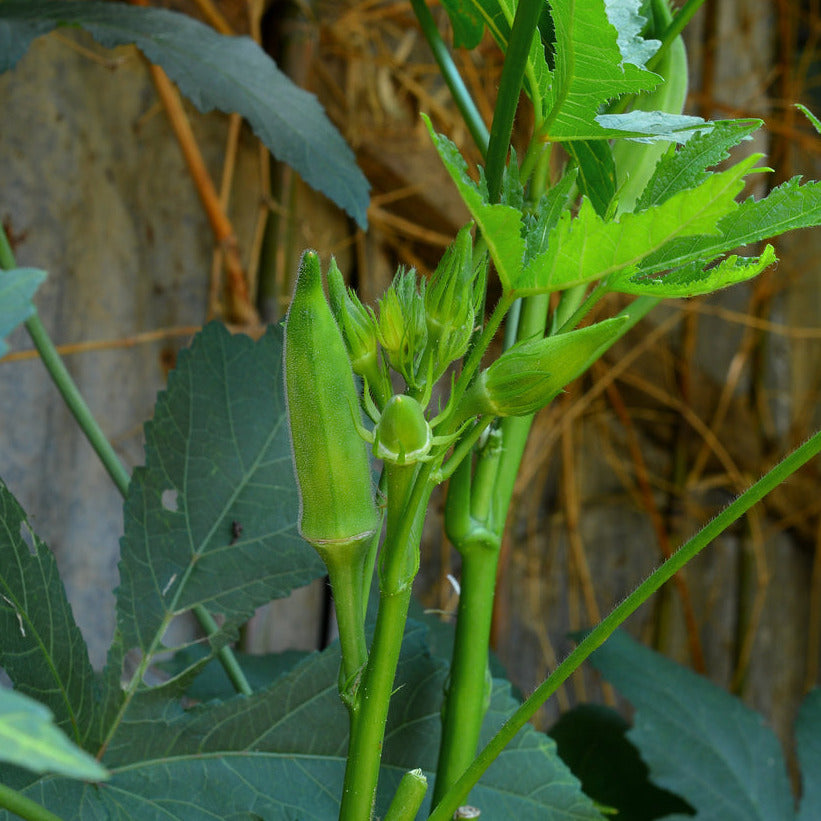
331,459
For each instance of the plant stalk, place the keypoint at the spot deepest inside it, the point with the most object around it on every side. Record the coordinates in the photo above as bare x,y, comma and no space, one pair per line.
599,634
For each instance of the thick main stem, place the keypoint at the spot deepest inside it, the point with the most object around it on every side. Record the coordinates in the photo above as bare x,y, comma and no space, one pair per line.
408,493
463,714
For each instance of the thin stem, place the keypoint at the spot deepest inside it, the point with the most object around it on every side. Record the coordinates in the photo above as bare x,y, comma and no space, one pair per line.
97,439
450,74
510,83
596,637
24,807
675,28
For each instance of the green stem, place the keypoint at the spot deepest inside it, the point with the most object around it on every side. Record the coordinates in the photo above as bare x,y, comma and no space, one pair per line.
510,84
596,637
450,74
111,462
675,28
24,807
408,797
409,489
464,712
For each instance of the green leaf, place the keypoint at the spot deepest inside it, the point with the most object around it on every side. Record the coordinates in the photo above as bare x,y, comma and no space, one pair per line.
590,70
29,738
698,741
213,71
597,171
42,649
652,126
17,287
211,519
501,225
629,23
786,208
591,740
808,744
212,682
467,22
280,754
694,279
816,123
686,168
587,248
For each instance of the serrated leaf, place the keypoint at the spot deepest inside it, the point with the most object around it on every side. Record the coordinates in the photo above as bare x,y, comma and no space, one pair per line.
231,74
786,208
686,168
695,279
42,649
587,248
591,740
629,23
17,287
808,746
590,70
30,739
698,741
211,518
280,753
501,225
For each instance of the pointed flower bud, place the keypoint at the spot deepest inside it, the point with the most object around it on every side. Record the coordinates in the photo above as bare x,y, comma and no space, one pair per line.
449,310
356,322
401,328
529,375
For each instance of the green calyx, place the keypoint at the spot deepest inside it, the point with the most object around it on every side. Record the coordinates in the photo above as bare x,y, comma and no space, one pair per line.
402,435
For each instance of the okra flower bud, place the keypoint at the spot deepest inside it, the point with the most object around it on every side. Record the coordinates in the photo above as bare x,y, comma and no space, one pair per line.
529,375
401,328
331,460
449,310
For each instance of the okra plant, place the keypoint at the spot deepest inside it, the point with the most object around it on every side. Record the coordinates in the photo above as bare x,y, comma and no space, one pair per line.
318,449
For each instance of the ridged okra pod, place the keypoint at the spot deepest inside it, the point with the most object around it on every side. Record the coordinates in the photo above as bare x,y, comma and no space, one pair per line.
338,513
331,459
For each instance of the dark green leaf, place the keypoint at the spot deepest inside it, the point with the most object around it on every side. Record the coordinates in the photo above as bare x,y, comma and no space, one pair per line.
698,741
213,683
597,172
41,649
591,741
29,738
211,519
214,72
17,287
808,744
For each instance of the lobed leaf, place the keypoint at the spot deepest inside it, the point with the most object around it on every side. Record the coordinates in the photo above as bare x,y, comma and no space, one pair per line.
587,248
279,754
214,72
17,287
698,741
211,518
42,649
590,69
29,738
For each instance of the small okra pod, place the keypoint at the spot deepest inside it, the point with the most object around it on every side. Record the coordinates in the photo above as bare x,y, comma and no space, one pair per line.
331,459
